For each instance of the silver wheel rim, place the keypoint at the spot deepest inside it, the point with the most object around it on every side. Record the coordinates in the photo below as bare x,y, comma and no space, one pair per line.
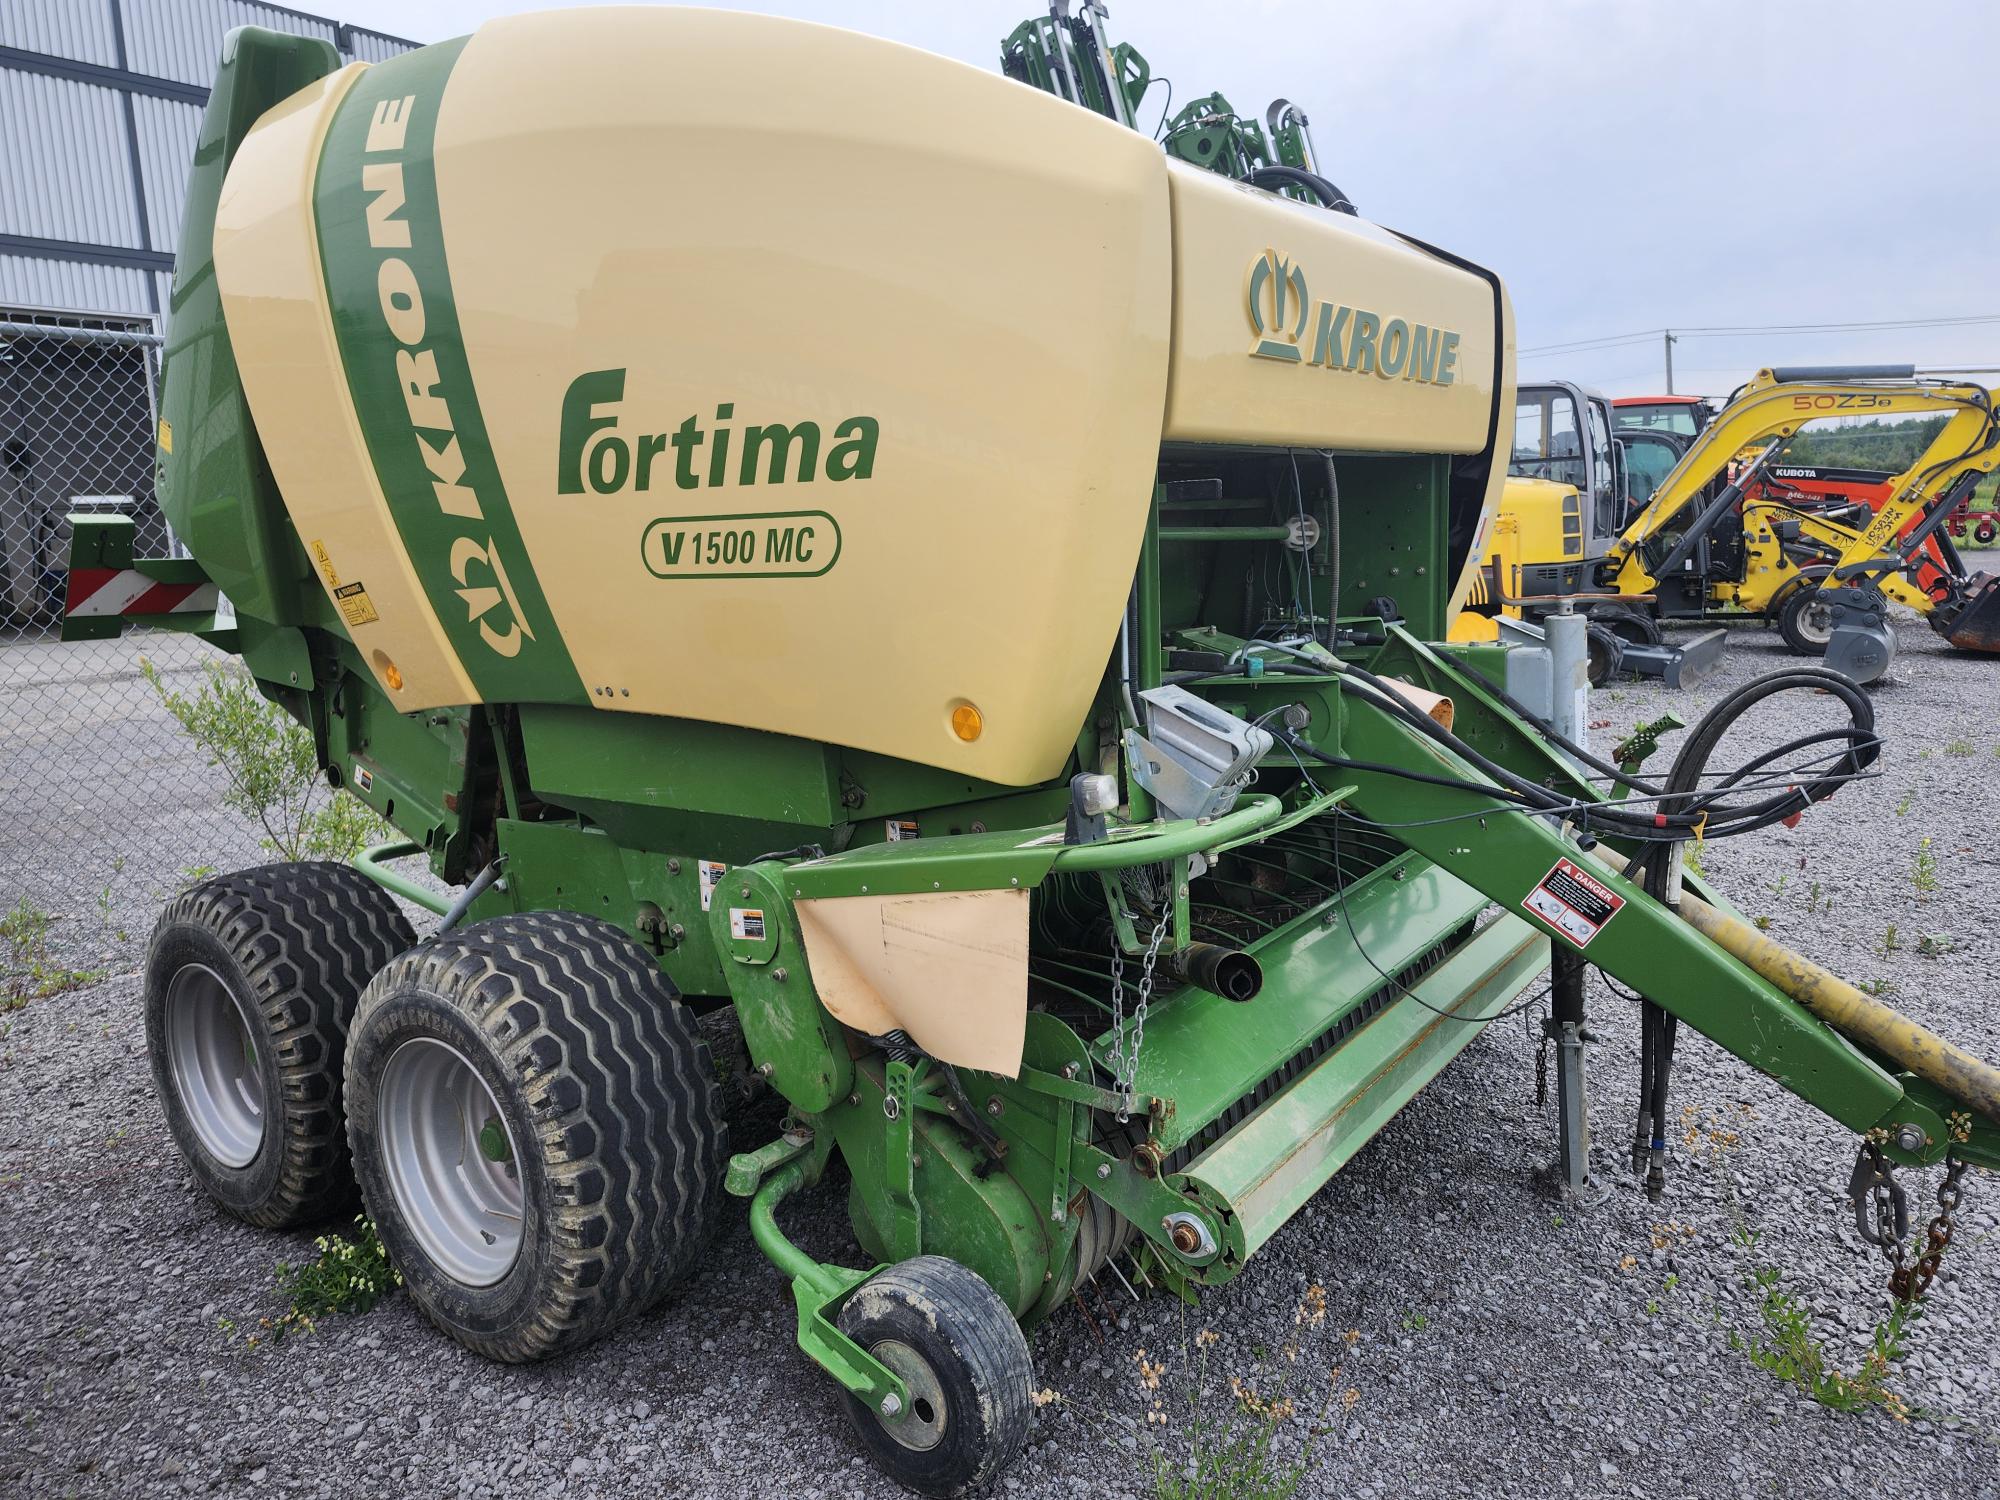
922,1426
1816,623
212,1053
451,1160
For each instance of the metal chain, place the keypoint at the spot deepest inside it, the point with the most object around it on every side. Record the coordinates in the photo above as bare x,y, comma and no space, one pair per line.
1125,1062
1139,1009
1908,1283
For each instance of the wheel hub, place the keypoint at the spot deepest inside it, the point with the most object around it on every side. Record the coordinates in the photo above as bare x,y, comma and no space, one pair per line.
451,1161
922,1423
212,1053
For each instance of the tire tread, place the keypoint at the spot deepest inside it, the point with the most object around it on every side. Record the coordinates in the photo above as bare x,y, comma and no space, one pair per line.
622,1097
308,936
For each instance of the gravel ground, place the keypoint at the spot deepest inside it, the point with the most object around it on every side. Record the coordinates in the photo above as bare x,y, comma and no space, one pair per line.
1497,1341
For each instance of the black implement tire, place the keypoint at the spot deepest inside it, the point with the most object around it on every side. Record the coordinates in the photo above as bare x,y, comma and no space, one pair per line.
270,960
958,1348
1604,652
1805,619
608,1132
1985,531
1629,625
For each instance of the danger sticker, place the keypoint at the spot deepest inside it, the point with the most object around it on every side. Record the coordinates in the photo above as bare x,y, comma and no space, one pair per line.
355,606
710,872
363,777
746,924
898,829
1575,904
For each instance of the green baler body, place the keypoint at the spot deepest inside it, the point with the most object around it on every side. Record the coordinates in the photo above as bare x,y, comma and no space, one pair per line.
1386,913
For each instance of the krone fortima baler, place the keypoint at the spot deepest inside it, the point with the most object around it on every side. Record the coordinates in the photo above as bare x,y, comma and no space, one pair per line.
795,527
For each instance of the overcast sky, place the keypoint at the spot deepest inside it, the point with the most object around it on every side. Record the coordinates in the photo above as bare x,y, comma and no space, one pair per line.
1625,165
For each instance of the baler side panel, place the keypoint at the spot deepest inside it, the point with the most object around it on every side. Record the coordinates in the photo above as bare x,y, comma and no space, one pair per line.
382,247
274,294
213,482
958,285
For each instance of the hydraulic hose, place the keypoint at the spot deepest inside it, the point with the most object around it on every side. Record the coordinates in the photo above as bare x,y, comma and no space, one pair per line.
1706,813
1274,177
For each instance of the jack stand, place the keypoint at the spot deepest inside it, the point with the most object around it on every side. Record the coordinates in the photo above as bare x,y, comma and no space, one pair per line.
1565,1027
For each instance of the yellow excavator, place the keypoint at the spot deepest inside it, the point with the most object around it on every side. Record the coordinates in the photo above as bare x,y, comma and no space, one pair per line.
1570,485
1696,549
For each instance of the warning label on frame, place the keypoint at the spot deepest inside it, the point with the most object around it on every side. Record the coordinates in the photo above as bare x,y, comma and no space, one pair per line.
1575,904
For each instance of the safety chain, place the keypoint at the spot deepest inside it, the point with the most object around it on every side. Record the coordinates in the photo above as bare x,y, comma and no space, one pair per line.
1882,1212
1908,1283
1124,1063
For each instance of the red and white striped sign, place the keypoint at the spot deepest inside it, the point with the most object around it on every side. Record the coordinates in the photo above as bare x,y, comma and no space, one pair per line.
126,591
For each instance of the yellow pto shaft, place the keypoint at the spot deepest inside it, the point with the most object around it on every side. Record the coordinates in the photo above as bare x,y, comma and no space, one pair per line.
1880,1028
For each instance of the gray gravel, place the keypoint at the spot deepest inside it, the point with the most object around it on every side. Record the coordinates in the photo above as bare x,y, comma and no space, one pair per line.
1498,1342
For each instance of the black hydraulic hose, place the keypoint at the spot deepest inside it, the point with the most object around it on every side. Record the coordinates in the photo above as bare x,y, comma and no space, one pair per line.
1608,816
1332,552
1713,818
1274,177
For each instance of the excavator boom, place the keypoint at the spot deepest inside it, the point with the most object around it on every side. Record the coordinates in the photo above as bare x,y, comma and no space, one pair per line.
1857,569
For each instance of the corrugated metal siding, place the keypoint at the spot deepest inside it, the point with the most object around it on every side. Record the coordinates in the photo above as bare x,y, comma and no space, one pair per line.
181,39
76,29
167,132
65,167
373,47
68,175
28,283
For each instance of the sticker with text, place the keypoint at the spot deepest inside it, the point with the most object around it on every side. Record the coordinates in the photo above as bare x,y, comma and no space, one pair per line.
710,872
1575,904
746,924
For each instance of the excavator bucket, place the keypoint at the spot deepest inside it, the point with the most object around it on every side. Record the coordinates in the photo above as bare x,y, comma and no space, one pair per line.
1975,625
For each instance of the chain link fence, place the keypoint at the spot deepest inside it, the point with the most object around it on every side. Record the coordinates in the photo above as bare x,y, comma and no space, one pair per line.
104,804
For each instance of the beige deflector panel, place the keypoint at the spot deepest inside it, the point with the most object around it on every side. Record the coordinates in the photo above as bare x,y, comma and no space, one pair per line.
1222,392
950,969
274,299
785,223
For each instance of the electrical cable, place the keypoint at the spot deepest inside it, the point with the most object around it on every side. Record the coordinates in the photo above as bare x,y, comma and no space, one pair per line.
1387,978
1709,813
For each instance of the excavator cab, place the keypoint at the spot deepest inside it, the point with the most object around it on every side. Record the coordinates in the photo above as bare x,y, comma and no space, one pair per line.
1566,486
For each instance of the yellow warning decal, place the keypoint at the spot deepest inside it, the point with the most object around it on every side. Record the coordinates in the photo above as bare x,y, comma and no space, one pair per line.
355,606
166,436
324,559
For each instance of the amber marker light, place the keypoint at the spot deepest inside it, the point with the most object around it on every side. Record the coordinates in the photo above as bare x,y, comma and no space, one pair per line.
966,722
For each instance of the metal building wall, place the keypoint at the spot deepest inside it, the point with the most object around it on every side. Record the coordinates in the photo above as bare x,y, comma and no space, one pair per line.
100,104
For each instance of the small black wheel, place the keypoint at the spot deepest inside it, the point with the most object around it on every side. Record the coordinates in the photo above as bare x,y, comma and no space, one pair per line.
960,1352
1629,625
1605,653
1805,618
1984,533
535,1130
251,980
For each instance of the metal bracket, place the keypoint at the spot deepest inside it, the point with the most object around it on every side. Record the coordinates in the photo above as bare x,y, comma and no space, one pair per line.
1872,1182
899,1158
819,1290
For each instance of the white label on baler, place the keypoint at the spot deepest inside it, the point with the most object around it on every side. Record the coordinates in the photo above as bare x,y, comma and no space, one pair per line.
710,873
746,924
1575,904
